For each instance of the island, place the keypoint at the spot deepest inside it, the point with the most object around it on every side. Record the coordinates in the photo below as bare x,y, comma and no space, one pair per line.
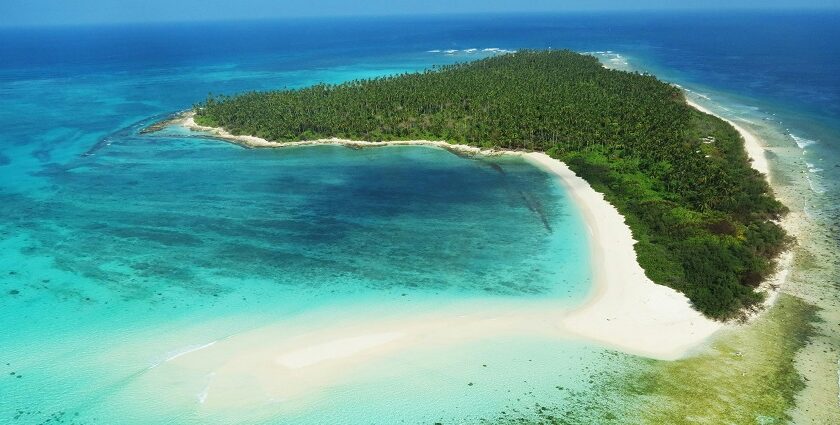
705,222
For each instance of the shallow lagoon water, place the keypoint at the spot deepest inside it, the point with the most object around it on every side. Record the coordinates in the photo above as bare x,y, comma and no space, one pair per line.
153,235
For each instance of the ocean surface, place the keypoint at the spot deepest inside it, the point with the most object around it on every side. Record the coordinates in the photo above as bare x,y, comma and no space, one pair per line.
121,251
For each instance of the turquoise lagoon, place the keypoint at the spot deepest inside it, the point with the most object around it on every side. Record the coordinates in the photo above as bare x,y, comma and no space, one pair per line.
122,251
157,245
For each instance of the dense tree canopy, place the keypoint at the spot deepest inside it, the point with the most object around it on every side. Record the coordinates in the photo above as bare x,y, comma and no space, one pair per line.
703,217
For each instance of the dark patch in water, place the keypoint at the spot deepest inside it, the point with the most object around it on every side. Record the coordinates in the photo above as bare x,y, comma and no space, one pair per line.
136,128
42,155
99,145
286,227
536,207
496,167
275,259
4,160
159,124
51,169
162,270
161,236
530,201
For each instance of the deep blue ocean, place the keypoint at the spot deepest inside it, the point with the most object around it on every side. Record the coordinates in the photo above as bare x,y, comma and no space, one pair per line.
120,251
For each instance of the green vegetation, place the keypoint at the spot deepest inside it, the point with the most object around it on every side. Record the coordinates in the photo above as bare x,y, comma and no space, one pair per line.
703,217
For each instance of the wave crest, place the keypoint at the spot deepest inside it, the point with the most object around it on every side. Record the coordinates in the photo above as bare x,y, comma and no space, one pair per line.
801,141
472,51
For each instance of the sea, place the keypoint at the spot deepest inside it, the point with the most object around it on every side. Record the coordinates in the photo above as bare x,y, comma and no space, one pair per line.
128,259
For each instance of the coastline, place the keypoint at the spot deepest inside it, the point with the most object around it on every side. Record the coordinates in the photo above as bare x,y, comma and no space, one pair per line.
755,150
815,363
626,311
187,120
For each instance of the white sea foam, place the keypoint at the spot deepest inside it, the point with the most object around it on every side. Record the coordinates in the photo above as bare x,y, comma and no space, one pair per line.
472,50
801,141
497,50
702,96
815,185
172,355
812,168
610,59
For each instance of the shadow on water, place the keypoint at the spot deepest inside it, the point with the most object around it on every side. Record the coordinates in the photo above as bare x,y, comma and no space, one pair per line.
530,201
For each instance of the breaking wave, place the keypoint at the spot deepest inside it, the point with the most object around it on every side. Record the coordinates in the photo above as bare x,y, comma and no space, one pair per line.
802,142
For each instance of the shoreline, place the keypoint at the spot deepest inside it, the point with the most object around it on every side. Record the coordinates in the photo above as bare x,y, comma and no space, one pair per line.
625,311
815,363
187,120
771,287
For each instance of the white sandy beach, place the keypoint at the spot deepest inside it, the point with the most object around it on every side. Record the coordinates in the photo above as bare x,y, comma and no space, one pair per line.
188,121
626,311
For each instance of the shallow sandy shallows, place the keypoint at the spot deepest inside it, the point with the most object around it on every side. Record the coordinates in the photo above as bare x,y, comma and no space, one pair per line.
296,357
